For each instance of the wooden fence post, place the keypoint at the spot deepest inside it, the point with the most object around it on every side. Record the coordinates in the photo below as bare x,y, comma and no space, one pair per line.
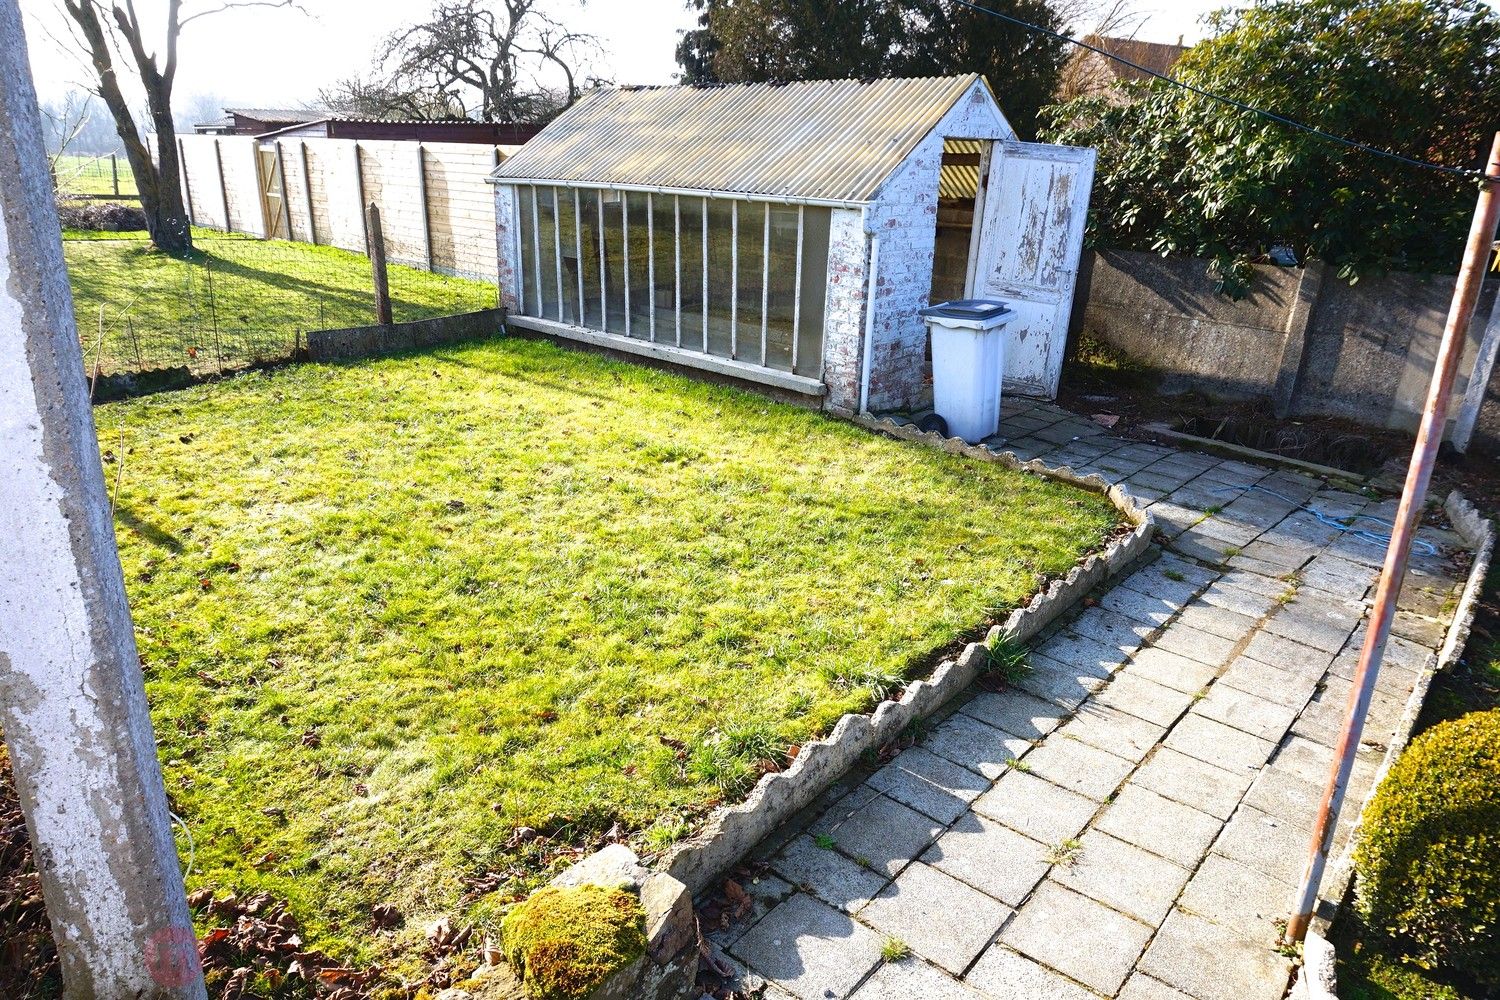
312,219
377,265
223,188
114,169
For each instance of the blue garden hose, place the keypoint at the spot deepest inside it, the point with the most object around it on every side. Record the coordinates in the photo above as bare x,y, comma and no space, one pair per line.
1373,537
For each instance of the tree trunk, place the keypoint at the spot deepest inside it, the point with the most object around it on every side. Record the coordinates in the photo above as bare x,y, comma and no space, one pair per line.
166,214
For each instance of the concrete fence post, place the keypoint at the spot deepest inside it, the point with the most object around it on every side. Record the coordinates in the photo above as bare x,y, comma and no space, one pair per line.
72,701
1298,322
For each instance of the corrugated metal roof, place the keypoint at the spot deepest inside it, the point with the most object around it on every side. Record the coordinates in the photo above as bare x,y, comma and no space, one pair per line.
279,114
960,180
825,140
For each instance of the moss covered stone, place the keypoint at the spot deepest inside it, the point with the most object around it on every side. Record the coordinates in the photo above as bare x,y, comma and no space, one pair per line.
1428,857
565,942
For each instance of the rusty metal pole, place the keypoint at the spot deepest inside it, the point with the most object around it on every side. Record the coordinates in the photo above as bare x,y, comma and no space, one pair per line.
1413,496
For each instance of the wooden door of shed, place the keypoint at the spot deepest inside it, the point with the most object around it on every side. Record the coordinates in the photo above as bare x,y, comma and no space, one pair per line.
272,191
1035,206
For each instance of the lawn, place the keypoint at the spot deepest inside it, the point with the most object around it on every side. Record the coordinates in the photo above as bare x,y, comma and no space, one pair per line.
236,301
394,615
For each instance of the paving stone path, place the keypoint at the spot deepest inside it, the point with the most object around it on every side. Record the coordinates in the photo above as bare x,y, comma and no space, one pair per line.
1132,820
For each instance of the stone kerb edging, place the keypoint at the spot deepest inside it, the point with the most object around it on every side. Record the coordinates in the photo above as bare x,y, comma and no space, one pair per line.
732,832
1316,980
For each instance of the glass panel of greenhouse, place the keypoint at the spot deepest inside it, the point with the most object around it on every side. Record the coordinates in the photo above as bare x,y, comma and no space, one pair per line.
729,277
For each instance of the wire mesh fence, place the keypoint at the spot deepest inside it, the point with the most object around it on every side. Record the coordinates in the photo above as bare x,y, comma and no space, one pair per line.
94,176
235,302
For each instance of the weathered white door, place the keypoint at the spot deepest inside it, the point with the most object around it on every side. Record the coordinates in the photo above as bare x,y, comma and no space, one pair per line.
1035,204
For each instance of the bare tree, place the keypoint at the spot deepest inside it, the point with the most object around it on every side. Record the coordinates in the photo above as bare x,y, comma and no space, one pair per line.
486,59
111,35
62,124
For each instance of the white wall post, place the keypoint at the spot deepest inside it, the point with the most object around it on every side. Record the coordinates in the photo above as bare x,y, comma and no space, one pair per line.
72,700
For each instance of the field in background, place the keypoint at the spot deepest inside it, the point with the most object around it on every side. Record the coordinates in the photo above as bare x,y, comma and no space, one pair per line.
393,615
236,302
94,175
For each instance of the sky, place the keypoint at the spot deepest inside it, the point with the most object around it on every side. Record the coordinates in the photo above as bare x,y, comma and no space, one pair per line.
267,57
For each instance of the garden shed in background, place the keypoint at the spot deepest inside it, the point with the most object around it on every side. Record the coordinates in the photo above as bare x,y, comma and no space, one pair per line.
789,234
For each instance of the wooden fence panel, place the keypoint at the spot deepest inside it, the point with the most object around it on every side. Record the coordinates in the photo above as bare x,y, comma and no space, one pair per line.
242,184
202,172
391,182
462,208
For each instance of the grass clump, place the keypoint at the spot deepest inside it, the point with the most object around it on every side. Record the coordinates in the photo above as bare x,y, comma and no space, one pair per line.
895,950
1005,660
563,943
392,612
1428,855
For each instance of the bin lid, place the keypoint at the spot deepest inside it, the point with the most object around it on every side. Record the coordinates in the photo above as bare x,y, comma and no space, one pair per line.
971,309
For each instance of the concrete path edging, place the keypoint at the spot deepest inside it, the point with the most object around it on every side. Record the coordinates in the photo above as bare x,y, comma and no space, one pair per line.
1317,978
732,832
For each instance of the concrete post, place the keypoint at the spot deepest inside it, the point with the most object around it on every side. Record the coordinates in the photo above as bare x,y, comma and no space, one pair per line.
1298,320
72,702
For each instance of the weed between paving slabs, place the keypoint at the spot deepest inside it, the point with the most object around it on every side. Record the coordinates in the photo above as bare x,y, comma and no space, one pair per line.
418,631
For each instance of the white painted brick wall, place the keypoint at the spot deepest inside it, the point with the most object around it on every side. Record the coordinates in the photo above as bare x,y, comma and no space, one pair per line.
844,319
505,245
904,215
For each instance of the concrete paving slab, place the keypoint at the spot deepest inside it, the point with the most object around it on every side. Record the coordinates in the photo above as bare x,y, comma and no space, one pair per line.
1113,730
1269,845
1078,767
1272,683
991,857
1065,685
1143,987
932,785
1240,600
765,892
1330,573
1198,544
1131,692
1193,783
1320,624
1238,897
1195,644
1048,927
883,835
1217,744
1039,809
1246,712
1286,795
1120,875
912,977
940,918
1231,530
1159,665
1151,612
1288,654
1016,712
810,949
1211,962
827,874
1112,628
981,748
1004,974
1217,621
1096,658
1160,825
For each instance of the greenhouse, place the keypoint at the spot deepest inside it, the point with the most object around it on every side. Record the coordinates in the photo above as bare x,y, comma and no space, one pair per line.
787,235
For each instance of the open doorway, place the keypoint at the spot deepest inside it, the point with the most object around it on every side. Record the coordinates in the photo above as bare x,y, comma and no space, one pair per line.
958,193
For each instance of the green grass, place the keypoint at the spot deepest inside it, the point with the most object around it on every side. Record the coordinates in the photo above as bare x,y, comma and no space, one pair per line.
235,301
92,175
391,613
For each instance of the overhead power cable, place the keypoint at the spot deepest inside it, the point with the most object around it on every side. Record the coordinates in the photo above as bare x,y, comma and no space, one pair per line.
1365,147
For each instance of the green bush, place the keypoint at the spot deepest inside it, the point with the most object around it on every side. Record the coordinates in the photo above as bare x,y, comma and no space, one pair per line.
1428,857
564,943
